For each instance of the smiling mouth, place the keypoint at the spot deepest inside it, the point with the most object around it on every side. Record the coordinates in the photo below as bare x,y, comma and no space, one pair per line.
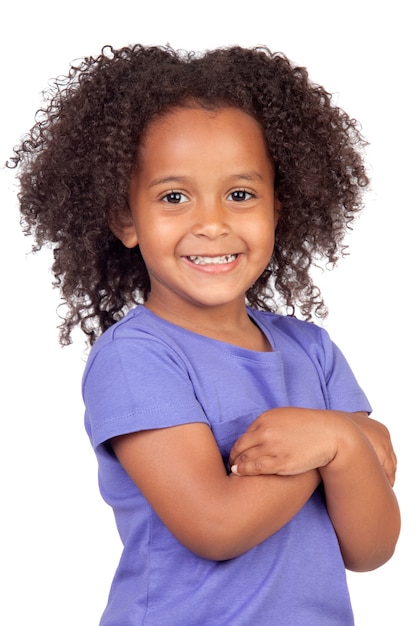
212,260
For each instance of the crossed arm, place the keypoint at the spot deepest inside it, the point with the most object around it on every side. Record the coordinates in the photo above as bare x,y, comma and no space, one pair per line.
277,465
355,459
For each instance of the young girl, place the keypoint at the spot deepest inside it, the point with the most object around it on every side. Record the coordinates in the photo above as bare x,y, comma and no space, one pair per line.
186,198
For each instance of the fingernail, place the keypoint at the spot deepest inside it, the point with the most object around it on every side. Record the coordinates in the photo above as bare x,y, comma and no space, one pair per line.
234,469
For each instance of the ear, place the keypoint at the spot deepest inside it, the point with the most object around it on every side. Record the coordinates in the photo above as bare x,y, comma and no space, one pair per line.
123,227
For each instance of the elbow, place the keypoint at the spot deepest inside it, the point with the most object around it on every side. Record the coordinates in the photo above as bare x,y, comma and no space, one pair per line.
216,541
215,547
379,553
214,553
369,562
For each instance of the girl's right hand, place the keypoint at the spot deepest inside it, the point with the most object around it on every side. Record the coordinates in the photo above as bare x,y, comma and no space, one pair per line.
379,438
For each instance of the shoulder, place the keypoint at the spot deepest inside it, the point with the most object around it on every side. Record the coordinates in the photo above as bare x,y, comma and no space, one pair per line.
136,323
292,336
292,327
135,344
133,377
138,327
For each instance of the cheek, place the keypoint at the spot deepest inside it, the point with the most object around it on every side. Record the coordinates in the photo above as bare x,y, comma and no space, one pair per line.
266,243
263,233
157,237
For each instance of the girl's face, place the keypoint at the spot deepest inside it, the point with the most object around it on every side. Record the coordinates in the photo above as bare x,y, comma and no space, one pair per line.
203,211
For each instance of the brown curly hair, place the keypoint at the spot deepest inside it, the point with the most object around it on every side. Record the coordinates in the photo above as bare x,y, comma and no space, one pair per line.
77,160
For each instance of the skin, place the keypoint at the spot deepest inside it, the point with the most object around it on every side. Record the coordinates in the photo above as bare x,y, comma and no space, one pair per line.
187,156
288,441
203,192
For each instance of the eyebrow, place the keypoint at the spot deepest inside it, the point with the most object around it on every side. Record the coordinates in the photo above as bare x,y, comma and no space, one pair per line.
249,176
167,179
252,175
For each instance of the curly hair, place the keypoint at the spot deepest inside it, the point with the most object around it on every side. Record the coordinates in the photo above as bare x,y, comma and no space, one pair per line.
76,162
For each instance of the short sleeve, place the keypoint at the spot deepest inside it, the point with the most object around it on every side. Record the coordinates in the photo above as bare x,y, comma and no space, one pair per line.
133,384
343,390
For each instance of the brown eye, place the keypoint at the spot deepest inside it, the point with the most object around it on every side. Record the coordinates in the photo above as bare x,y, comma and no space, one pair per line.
240,195
174,197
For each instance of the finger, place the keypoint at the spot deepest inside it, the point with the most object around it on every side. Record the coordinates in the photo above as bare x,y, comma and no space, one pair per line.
267,465
388,461
391,470
256,467
390,474
246,443
246,456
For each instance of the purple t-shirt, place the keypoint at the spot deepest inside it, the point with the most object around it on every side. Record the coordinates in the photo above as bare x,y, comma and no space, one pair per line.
147,373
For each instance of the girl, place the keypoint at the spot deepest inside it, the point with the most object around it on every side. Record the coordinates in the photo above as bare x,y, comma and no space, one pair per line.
187,197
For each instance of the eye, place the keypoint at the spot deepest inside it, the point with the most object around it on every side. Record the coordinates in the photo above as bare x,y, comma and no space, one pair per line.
174,197
240,195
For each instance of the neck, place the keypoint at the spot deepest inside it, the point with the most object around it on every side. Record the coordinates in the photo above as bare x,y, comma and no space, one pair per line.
233,327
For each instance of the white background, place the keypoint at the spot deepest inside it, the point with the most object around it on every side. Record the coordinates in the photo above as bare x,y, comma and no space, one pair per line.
59,545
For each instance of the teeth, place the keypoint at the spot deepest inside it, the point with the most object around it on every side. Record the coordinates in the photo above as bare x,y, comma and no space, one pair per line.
212,260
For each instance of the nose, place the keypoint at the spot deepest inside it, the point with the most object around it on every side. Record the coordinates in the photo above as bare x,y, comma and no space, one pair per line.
211,220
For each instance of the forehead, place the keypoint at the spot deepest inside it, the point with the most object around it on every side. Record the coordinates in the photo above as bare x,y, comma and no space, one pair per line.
199,131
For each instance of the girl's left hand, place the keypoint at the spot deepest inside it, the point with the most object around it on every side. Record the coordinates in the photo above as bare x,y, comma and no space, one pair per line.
288,441
292,440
